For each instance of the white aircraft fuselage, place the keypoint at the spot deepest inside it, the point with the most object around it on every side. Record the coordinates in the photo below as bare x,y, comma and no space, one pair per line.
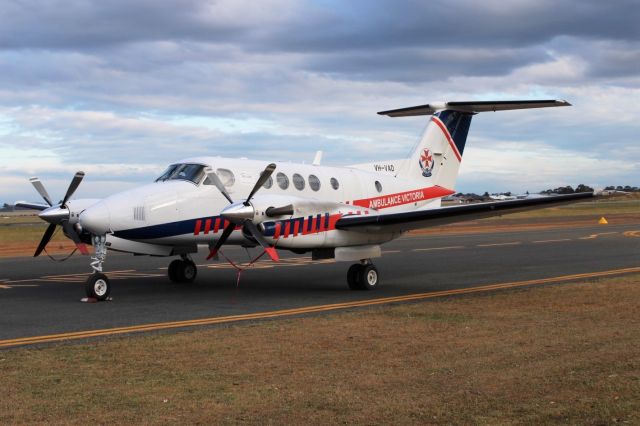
341,213
185,213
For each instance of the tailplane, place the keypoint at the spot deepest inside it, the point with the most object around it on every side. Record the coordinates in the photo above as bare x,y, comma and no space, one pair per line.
438,155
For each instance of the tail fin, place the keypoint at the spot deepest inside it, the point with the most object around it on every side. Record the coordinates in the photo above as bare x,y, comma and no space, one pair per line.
438,155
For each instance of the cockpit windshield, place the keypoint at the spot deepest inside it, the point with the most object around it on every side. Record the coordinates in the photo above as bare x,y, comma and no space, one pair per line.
191,172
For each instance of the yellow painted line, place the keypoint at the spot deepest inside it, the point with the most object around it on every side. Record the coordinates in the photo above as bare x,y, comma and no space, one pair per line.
305,310
439,248
24,281
632,234
552,241
86,274
512,243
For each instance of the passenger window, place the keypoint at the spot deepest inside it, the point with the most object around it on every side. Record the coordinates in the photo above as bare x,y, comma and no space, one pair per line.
314,182
298,182
378,186
226,177
268,184
334,183
283,180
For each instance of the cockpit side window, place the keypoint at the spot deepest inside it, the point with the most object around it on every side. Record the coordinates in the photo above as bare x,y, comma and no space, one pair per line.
167,173
191,172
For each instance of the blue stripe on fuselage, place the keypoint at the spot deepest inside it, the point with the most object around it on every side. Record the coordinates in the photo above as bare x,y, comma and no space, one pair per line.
162,230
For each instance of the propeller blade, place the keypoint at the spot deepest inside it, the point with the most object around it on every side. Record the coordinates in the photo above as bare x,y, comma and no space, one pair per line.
70,232
264,176
223,238
280,211
40,188
218,183
255,233
45,239
72,187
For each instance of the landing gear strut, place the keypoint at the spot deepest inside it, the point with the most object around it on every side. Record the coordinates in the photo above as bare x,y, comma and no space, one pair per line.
98,285
362,276
182,270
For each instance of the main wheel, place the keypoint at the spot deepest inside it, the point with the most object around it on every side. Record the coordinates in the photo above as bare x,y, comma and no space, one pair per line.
182,271
353,277
368,277
98,286
174,270
188,272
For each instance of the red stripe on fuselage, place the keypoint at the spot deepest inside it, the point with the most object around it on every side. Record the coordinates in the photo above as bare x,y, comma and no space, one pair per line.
448,136
400,198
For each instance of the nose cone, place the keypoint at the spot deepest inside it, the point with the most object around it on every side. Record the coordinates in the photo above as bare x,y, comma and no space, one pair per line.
96,219
54,214
237,213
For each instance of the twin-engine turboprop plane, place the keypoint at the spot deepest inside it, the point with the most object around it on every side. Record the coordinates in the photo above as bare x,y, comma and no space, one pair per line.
341,213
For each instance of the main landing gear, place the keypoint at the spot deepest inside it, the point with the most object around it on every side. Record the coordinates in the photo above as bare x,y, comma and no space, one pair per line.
182,270
98,286
363,276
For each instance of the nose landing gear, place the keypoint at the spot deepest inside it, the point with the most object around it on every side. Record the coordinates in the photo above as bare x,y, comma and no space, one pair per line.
363,276
98,286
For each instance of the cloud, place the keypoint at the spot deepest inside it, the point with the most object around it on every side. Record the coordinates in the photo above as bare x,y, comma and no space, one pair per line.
132,86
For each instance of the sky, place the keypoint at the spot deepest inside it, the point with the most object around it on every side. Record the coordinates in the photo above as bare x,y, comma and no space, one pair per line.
120,89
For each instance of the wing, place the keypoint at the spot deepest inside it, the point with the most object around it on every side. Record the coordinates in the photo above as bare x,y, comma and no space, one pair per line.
400,222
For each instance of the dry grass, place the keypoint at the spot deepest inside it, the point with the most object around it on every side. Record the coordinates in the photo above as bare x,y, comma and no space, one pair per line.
563,354
628,205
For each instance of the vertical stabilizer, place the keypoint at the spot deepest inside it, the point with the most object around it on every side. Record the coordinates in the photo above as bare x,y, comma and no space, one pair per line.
438,155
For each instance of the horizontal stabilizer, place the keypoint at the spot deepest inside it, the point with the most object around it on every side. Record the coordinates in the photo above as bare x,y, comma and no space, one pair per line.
27,205
472,107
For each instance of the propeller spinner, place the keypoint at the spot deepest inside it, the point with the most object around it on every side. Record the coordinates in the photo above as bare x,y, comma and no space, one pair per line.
242,214
57,214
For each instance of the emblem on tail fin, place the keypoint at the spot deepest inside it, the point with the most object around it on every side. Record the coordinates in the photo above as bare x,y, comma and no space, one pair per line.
426,163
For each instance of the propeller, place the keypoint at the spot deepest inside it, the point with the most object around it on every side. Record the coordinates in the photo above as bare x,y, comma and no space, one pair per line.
57,214
242,214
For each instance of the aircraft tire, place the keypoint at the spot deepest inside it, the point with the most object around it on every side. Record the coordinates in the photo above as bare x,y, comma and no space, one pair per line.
173,270
182,271
354,276
368,277
188,271
98,286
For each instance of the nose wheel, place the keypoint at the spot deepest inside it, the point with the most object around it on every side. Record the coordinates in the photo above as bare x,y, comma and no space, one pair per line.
363,276
98,286
182,271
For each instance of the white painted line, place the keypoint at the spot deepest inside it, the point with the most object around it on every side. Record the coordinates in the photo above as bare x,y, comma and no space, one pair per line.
594,236
513,243
552,241
438,248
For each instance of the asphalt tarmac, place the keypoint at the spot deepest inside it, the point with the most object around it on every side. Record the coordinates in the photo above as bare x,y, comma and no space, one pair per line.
39,297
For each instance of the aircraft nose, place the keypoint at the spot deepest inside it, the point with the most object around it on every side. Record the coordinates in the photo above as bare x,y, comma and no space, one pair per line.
96,219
